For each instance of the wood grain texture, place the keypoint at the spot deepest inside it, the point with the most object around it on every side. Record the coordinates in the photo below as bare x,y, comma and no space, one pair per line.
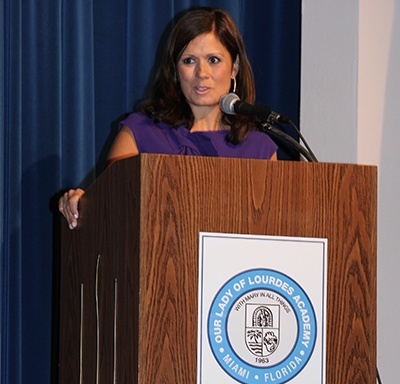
144,216
108,232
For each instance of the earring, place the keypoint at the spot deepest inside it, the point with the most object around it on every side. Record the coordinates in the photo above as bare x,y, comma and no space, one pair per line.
234,85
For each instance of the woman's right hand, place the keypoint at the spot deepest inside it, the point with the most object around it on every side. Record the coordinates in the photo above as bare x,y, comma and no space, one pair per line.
68,206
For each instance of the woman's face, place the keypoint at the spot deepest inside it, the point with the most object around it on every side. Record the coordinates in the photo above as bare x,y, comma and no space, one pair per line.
205,70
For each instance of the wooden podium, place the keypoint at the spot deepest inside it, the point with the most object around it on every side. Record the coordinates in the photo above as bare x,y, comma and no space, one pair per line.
129,272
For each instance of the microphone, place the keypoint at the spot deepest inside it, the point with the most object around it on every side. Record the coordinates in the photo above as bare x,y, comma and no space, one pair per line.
232,105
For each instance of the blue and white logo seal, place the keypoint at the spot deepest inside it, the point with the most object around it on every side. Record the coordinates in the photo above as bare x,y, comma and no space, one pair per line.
262,327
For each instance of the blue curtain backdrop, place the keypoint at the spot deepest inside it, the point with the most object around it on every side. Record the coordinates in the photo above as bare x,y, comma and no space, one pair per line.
70,70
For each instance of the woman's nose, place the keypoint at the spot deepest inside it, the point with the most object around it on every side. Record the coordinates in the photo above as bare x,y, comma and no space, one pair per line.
202,70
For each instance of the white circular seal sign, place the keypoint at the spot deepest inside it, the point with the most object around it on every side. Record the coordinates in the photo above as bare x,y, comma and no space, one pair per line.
262,327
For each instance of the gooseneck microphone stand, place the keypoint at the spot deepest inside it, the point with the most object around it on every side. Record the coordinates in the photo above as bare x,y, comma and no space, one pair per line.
268,128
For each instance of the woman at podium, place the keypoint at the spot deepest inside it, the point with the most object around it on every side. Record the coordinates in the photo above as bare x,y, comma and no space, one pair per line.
204,60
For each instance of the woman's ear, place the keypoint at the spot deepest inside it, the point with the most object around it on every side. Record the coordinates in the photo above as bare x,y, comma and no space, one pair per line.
235,68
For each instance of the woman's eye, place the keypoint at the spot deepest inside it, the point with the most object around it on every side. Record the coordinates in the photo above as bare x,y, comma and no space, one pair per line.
188,60
214,60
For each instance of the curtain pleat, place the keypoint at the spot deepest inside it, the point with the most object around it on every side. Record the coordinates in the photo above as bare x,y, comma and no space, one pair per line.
11,290
71,69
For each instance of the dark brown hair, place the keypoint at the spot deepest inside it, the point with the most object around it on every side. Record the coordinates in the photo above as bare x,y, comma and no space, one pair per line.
167,103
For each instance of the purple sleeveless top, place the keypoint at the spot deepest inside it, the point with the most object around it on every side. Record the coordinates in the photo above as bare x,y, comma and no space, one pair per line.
161,138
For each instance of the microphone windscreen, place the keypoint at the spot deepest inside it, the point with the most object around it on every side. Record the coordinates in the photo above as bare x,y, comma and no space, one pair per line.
227,103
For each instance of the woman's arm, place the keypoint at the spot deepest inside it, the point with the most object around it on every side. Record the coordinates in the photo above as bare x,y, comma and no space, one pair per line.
123,146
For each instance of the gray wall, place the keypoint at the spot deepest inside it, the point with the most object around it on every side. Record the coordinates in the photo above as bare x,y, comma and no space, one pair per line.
350,113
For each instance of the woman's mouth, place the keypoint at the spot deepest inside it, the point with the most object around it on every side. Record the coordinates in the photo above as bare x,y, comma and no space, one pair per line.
201,89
